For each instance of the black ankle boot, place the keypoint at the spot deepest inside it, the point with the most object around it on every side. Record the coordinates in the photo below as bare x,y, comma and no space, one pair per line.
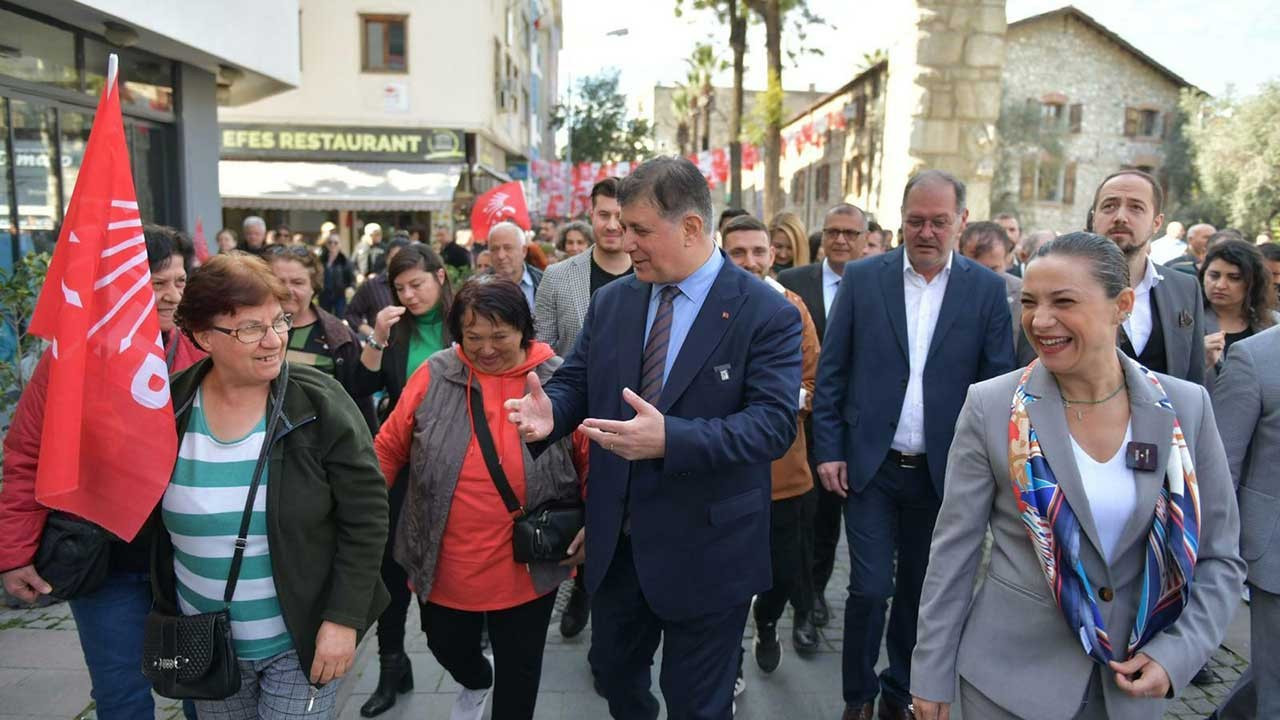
395,676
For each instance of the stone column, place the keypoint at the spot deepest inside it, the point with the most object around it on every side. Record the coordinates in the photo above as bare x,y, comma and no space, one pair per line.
944,97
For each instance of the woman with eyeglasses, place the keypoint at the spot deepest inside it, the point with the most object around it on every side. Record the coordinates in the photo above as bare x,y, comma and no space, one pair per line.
339,275
308,586
317,338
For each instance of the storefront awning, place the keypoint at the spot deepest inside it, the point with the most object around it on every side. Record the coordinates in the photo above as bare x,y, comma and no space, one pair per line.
337,186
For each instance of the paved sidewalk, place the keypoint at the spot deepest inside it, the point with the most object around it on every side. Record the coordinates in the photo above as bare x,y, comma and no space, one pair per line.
42,675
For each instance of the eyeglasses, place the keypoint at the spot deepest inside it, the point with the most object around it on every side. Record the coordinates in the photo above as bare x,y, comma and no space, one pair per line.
939,224
834,234
253,334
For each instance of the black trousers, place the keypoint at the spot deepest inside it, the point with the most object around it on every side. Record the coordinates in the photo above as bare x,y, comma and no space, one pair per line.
517,635
791,563
391,622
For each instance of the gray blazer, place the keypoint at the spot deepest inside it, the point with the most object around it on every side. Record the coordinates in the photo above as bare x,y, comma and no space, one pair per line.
561,302
1211,326
1247,399
1010,641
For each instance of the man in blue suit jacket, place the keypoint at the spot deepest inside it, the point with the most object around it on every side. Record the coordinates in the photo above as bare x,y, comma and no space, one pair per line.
686,377
910,330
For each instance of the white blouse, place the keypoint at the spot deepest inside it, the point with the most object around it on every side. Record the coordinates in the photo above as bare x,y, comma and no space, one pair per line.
1112,490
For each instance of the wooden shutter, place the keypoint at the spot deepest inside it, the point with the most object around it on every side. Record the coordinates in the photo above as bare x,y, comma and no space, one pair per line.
1132,117
1077,117
1027,180
1069,184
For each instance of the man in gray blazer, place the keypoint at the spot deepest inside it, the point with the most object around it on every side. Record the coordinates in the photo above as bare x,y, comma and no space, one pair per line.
567,286
1166,331
562,300
1247,402
1011,643
987,244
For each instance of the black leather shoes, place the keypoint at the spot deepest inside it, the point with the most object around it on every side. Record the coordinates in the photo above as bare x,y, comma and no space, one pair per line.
576,613
854,712
821,613
768,650
805,637
1204,676
890,710
395,676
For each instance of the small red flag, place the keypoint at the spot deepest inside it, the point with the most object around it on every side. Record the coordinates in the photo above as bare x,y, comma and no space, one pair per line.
108,443
201,243
505,202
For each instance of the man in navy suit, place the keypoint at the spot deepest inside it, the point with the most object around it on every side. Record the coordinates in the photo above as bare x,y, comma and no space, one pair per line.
909,332
685,376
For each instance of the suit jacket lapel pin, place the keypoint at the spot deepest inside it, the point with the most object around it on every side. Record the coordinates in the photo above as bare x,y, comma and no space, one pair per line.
724,316
1184,319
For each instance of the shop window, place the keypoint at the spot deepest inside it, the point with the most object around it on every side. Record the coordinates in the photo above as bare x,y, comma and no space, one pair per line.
34,160
73,131
146,82
384,43
36,52
153,152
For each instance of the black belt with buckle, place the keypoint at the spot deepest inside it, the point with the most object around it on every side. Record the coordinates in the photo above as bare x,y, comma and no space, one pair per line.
907,461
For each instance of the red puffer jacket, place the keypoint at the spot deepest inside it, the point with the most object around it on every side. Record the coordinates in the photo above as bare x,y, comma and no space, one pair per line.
21,517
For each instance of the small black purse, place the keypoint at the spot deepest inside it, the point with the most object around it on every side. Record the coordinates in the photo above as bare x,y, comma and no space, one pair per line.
539,534
193,657
74,555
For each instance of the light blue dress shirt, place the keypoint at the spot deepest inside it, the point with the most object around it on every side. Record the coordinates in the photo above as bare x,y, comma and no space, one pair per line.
685,306
526,284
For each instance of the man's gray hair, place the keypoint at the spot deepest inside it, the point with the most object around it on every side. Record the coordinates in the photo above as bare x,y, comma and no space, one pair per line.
936,176
254,220
847,209
504,226
1033,240
671,184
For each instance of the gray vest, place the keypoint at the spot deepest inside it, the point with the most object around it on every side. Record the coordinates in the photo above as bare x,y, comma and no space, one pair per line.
441,435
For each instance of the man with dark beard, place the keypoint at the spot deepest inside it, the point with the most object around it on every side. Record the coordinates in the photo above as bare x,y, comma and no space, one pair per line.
1166,329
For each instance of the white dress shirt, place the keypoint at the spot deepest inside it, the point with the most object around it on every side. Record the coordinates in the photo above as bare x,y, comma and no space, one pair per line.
924,303
1112,491
830,284
1138,326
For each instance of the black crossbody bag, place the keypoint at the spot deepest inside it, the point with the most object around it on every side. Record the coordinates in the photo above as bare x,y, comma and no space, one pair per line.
539,534
192,657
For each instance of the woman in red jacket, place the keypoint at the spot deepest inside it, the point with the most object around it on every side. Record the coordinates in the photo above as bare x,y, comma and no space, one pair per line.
454,536
109,619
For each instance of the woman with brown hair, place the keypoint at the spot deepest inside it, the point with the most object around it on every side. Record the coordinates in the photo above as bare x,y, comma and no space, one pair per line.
1238,299
790,242
320,502
455,537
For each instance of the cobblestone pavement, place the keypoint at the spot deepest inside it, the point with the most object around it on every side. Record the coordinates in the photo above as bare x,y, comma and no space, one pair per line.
42,675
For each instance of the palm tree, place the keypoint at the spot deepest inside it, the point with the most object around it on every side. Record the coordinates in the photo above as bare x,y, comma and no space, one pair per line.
703,65
681,107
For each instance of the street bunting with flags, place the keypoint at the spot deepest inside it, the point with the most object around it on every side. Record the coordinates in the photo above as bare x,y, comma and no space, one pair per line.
108,443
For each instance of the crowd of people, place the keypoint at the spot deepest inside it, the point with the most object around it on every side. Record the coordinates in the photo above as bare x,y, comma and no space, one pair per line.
679,419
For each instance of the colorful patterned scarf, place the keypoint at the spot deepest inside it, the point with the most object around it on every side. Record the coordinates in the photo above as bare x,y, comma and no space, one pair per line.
1055,532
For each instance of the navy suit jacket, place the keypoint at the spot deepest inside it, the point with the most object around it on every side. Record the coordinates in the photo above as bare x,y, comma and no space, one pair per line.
700,515
864,366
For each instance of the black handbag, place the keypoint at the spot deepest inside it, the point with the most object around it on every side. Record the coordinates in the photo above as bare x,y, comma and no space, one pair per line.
74,555
192,657
539,534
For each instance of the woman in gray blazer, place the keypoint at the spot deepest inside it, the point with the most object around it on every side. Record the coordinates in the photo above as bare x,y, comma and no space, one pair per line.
1115,566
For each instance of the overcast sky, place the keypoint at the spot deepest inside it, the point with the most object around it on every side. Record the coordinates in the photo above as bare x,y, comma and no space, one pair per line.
1211,43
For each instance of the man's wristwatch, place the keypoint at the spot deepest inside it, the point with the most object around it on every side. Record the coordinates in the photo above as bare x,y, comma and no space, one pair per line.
373,343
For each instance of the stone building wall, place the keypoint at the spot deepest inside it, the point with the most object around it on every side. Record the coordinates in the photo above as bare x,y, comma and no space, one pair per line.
1064,59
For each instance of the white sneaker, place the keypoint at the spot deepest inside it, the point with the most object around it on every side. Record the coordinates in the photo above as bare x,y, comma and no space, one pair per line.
470,704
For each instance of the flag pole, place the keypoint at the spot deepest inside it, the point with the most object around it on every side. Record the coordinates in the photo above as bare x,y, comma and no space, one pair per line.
113,67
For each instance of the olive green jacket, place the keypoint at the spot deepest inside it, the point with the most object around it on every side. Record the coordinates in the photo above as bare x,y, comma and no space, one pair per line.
326,509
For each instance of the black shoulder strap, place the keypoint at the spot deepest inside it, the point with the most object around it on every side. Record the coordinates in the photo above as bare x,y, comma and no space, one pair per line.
277,409
481,428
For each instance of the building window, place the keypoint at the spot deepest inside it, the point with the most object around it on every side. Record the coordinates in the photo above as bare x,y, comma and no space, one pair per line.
1047,179
1142,123
1051,115
1076,121
385,43
822,183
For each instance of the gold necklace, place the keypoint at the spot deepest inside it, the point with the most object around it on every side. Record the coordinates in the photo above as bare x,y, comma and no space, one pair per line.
1080,413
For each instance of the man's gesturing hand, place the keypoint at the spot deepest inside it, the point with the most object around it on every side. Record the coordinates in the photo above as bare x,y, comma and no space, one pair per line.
643,437
531,414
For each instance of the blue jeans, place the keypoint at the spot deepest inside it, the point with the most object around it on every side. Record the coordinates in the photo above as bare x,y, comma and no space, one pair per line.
110,622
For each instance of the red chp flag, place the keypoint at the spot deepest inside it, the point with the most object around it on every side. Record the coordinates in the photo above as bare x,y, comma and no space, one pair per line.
201,243
505,202
109,443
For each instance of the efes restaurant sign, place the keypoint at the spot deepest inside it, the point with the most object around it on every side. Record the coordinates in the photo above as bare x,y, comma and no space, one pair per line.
368,144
